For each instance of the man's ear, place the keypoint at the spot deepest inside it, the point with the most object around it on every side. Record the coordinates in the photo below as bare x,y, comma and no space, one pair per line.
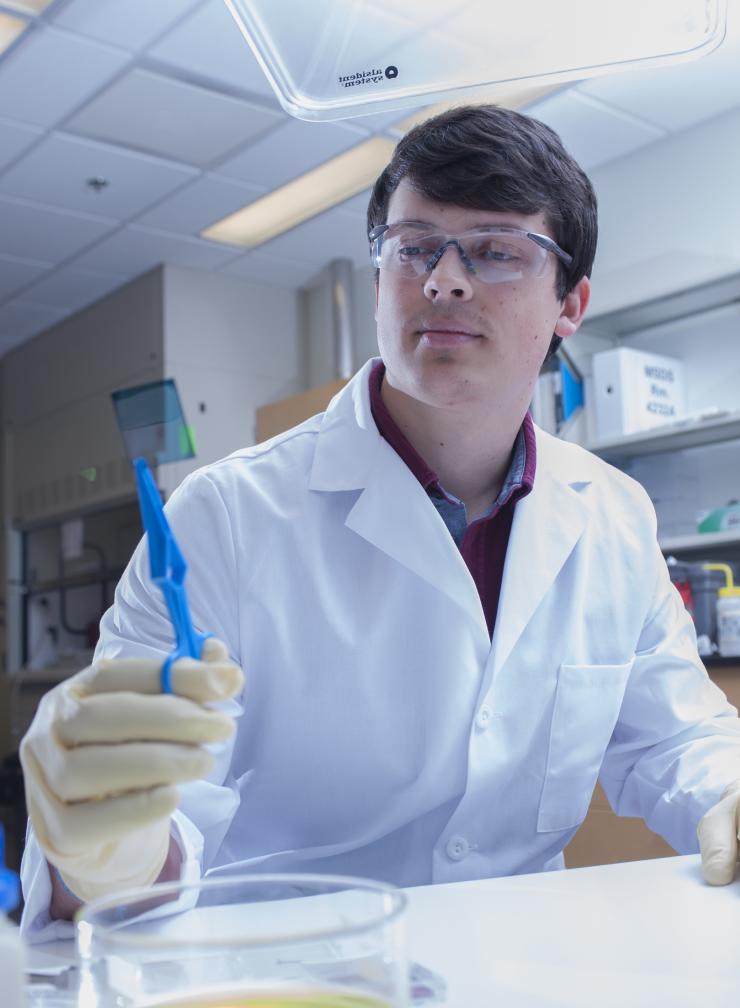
573,309
377,292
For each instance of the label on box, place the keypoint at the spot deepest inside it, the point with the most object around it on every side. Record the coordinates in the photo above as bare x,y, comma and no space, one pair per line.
635,390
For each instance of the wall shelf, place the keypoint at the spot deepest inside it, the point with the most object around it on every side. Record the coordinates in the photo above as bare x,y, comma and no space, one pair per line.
700,541
716,661
75,581
671,437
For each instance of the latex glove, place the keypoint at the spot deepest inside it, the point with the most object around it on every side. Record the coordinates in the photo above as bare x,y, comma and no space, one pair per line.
104,754
718,835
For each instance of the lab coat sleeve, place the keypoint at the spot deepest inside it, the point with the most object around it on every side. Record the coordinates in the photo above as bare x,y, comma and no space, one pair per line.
676,744
36,924
137,625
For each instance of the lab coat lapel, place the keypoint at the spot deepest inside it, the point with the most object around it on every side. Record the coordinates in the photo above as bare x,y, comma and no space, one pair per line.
546,527
395,514
393,511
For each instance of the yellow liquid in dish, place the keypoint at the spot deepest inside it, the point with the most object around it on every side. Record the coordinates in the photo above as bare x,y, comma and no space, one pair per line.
275,999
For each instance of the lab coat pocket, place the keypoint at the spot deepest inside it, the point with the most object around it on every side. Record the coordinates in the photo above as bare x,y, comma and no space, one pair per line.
587,703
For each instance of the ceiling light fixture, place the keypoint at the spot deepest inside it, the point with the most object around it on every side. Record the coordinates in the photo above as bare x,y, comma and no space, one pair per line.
510,98
27,6
10,28
304,197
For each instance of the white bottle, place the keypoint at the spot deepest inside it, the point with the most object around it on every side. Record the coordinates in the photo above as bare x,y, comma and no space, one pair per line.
728,622
11,947
728,613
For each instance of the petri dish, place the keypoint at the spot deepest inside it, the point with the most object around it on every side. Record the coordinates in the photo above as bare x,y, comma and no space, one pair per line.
246,941
333,59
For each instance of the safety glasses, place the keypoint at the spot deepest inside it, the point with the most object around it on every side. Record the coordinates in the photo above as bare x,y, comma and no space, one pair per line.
494,254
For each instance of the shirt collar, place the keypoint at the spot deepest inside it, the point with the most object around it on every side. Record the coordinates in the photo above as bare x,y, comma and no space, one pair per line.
519,479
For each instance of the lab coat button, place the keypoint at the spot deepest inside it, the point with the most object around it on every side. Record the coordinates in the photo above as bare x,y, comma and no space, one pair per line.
457,848
483,718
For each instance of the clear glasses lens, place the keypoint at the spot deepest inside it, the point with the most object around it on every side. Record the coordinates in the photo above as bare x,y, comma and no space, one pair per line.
492,256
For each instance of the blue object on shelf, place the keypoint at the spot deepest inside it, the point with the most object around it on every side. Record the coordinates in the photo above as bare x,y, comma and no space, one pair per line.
167,567
572,391
10,889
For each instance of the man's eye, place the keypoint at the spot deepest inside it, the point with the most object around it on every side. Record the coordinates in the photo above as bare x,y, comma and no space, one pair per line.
496,253
414,251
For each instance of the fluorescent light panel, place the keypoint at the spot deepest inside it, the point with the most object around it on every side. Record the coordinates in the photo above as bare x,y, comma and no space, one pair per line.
27,6
304,197
511,98
10,28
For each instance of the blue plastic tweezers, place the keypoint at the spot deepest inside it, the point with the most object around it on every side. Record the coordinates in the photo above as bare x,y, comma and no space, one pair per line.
167,568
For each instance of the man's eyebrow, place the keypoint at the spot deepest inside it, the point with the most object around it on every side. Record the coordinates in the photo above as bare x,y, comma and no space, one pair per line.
481,226
406,220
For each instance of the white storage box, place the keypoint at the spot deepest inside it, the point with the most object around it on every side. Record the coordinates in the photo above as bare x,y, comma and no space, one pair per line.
634,391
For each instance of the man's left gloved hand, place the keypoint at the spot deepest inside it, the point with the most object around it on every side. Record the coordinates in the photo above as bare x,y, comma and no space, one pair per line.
718,836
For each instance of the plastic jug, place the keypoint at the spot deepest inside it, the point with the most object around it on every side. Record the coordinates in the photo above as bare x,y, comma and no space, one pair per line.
728,614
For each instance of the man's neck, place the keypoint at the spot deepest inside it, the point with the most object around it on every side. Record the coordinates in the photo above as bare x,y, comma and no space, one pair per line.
469,448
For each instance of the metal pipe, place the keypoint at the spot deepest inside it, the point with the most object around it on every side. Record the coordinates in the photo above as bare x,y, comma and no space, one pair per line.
341,273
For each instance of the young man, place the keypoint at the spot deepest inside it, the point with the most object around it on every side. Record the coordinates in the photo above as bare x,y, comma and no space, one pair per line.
451,622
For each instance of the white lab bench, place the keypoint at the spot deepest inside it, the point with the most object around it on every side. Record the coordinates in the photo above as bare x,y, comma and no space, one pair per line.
644,934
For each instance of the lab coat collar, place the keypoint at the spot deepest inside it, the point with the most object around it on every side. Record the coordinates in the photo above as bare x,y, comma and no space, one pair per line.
393,512
348,438
546,527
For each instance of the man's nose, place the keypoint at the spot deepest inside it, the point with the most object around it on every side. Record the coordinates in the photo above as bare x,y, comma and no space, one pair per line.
449,280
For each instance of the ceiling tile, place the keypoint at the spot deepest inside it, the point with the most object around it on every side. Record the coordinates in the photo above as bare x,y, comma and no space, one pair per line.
20,321
381,121
27,231
51,73
15,137
331,235
132,25
133,249
593,133
272,269
182,121
679,96
210,44
291,149
358,204
203,202
71,289
56,172
16,273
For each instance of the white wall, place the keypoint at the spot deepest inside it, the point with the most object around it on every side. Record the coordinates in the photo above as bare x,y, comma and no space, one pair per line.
669,215
232,345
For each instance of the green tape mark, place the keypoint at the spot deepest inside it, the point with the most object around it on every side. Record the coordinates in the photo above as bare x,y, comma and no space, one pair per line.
186,439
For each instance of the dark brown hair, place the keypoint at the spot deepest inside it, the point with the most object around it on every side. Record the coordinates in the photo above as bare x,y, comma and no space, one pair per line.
491,158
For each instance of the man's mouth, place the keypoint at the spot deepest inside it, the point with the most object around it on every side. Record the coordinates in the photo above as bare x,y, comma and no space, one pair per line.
446,334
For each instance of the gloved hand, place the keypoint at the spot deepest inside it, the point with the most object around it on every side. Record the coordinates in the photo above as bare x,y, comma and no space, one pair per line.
104,754
718,835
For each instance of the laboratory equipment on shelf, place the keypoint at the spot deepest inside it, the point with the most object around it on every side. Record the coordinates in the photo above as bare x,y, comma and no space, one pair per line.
728,613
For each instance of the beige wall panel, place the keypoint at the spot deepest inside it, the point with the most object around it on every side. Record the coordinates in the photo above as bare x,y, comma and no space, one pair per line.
281,416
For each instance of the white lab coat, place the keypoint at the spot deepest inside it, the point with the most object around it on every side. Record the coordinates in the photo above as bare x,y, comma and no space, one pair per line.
383,733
